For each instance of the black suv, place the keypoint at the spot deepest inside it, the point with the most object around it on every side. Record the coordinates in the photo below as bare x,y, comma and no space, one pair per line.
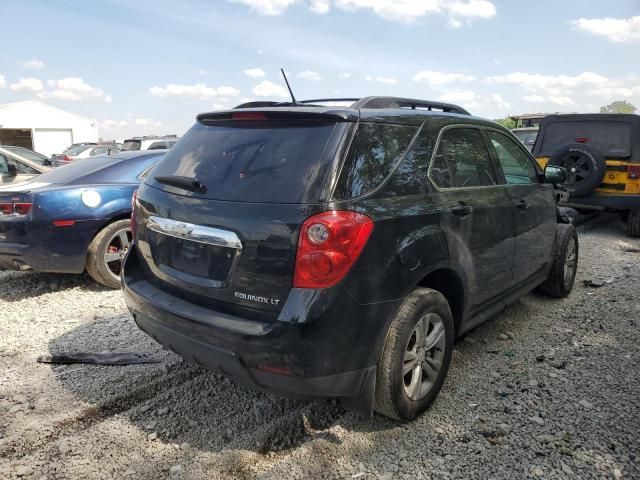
316,251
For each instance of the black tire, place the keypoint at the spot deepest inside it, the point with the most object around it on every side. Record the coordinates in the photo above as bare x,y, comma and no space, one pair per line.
391,398
633,223
560,281
585,167
97,268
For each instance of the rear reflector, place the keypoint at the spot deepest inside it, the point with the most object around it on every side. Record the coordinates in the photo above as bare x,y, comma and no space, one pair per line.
582,139
329,245
277,370
64,223
248,116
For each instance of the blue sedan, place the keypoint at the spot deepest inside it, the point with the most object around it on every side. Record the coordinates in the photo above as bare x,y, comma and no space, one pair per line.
74,218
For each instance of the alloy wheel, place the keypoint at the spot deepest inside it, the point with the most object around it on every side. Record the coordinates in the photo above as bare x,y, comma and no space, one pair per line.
117,248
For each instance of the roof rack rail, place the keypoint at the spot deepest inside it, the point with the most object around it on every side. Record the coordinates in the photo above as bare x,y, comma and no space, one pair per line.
412,103
369,102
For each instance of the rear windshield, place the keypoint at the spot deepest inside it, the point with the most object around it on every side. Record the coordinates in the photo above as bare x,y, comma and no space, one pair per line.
131,145
613,139
526,137
276,161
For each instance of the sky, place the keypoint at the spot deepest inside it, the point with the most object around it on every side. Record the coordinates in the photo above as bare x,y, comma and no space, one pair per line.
149,67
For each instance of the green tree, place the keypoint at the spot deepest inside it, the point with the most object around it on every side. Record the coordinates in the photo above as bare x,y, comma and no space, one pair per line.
619,106
506,122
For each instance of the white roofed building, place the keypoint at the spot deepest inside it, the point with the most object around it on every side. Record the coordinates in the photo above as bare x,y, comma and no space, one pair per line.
43,128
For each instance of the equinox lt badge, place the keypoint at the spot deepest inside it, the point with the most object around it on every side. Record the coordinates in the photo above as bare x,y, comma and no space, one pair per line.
256,298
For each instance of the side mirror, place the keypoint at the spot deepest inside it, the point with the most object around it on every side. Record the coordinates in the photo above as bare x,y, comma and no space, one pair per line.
555,174
12,170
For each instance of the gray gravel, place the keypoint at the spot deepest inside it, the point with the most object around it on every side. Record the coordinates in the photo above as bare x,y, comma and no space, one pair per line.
548,389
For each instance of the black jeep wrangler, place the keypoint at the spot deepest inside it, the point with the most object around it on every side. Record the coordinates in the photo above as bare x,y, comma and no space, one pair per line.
316,251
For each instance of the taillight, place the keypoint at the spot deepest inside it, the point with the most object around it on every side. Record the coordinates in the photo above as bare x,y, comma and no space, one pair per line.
633,172
66,159
329,245
15,208
134,216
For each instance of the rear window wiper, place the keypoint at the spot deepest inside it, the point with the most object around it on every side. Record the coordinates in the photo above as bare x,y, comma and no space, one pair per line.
186,183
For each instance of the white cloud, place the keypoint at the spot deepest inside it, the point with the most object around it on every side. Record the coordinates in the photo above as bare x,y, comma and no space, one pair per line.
471,8
344,76
267,7
201,71
309,75
404,11
610,92
497,101
455,23
563,100
533,98
458,96
147,122
434,79
3,81
537,81
110,124
27,85
267,88
386,80
33,64
319,7
255,73
73,88
620,30
199,90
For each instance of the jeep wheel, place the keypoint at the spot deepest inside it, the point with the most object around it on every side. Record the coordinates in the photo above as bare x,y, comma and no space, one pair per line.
633,223
416,356
104,259
585,167
565,263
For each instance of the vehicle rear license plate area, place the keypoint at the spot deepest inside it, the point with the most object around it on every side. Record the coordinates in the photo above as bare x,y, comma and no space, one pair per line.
192,258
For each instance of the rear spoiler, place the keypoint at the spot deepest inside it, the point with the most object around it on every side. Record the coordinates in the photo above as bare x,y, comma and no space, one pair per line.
280,113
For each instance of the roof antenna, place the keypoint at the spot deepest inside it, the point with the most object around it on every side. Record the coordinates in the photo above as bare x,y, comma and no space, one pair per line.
294,102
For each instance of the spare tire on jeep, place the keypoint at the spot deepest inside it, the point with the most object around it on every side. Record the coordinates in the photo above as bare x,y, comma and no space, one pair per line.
585,167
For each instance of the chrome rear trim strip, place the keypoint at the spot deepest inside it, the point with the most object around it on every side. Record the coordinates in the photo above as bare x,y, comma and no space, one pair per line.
194,233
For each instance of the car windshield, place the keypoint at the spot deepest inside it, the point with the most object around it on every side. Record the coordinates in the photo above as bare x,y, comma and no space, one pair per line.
28,154
76,150
130,145
611,138
528,137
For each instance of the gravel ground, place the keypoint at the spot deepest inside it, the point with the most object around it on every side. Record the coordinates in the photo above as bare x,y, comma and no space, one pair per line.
548,389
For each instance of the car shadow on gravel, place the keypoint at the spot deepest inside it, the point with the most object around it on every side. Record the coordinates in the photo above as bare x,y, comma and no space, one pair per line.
17,286
184,404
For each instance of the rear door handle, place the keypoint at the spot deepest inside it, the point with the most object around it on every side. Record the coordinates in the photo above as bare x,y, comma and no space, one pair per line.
522,205
462,209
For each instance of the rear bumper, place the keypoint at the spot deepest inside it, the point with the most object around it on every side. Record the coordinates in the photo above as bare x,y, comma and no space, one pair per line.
321,345
597,201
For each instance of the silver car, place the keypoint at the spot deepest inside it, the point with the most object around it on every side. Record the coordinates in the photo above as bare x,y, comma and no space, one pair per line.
83,151
18,164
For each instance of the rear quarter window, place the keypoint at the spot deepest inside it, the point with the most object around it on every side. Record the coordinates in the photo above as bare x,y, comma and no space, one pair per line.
375,151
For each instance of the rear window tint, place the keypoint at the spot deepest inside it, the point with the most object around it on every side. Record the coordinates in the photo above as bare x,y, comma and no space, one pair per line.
277,161
613,139
373,154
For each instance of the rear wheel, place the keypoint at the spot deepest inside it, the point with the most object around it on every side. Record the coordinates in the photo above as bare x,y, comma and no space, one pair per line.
560,281
633,223
106,252
416,356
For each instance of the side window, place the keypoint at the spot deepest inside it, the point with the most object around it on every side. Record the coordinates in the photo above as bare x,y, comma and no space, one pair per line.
98,151
462,160
410,178
374,152
4,165
26,169
517,166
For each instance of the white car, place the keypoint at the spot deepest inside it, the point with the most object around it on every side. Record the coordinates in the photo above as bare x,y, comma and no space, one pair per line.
83,151
150,143
18,164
